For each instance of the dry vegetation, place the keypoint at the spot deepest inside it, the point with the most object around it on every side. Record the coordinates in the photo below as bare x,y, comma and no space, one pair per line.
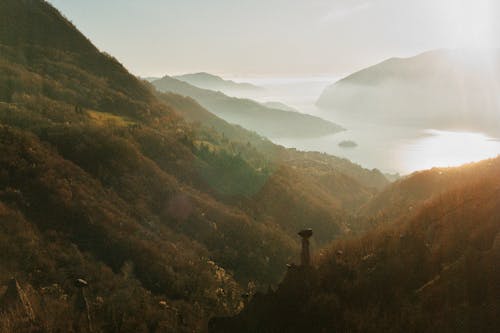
434,270
170,213
102,179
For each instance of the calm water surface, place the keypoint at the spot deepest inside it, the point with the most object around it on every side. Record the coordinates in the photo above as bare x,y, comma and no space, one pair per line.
389,148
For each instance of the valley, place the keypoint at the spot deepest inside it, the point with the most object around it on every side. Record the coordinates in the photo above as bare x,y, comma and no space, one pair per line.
173,203
391,148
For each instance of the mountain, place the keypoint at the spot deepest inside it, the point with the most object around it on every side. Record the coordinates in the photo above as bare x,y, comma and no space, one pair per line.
216,83
323,188
250,114
165,210
310,162
441,89
434,269
279,106
151,78
403,196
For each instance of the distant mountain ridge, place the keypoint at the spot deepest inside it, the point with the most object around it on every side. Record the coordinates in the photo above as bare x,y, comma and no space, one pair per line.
150,78
250,114
279,106
213,82
443,89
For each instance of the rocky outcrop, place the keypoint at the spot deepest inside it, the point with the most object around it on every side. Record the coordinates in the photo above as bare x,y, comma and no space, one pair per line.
279,310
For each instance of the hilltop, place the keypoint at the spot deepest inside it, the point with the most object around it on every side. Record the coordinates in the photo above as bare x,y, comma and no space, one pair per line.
444,89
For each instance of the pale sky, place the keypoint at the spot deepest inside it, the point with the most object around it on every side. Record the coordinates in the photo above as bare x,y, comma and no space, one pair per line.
278,38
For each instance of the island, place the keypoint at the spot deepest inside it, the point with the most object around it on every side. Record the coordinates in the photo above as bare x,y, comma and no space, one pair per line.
348,144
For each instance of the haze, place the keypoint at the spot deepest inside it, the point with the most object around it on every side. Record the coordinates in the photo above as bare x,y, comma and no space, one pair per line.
296,49
263,183
278,37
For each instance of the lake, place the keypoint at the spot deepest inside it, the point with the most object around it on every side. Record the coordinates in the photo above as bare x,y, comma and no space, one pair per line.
391,149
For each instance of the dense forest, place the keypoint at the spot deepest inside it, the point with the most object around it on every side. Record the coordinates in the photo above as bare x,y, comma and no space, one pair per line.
168,213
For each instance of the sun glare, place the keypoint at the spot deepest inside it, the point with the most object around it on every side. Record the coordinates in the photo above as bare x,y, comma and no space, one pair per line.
447,149
469,22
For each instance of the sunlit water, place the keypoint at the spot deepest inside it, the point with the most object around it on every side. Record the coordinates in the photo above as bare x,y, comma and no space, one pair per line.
392,149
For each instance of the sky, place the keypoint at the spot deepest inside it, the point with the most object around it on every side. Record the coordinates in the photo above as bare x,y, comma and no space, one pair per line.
278,38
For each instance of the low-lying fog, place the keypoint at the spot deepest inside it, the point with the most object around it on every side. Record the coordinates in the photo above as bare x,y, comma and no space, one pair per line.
390,148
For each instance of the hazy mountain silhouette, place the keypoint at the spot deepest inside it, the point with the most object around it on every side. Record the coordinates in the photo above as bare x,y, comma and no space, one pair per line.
250,114
216,83
441,89
150,78
279,106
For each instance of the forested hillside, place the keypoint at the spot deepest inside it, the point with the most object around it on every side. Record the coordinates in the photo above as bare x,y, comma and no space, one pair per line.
403,196
103,179
432,270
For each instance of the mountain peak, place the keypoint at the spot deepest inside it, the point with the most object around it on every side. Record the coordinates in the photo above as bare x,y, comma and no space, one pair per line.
422,91
36,22
35,35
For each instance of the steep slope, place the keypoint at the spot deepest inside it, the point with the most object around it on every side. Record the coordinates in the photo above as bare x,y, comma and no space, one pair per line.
34,30
216,83
249,114
433,271
403,196
312,163
64,204
439,89
77,150
102,179
300,188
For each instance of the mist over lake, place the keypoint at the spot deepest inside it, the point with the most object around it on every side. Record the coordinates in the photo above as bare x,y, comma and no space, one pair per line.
389,148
